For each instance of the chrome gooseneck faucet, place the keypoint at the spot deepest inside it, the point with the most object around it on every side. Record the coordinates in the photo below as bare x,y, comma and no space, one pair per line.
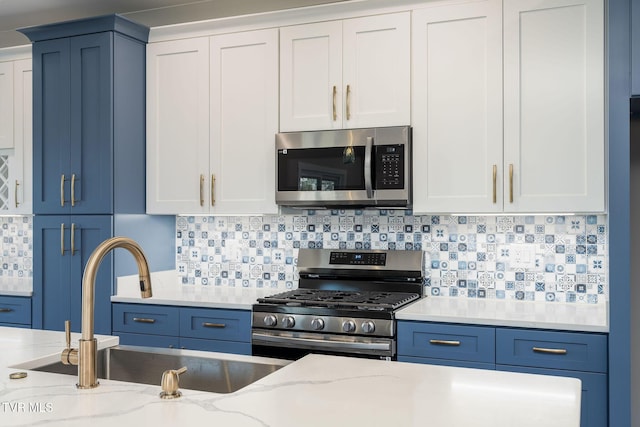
86,356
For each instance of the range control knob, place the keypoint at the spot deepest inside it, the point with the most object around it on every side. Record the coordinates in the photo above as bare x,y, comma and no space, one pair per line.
368,327
348,326
270,320
288,322
317,324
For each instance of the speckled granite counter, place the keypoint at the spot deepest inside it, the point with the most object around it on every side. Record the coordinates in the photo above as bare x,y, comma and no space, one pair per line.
314,391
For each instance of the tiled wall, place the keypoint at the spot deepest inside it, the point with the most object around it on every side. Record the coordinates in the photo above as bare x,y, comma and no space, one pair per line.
16,259
541,258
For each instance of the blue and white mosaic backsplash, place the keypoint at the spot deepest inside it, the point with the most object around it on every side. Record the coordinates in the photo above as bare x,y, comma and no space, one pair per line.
536,258
16,259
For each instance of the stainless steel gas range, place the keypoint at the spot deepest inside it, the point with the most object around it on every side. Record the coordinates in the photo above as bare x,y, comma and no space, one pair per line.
345,304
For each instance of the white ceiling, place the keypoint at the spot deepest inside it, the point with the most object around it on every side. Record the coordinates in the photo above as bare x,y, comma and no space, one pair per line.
26,13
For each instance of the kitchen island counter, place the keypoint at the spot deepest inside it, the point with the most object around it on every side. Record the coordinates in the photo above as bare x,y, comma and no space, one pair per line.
314,391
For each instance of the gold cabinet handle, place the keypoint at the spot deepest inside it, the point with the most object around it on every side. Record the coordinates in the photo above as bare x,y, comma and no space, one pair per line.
73,239
550,350
444,342
16,194
348,102
62,239
213,193
335,112
495,183
62,190
511,183
5,310
213,325
201,190
144,320
73,189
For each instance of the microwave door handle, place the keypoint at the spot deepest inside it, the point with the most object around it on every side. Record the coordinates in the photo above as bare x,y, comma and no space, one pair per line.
368,149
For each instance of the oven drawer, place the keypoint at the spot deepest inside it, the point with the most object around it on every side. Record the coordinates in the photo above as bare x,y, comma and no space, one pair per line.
446,342
216,324
552,349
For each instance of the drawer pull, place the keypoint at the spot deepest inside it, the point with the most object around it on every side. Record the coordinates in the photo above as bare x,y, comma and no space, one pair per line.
143,320
6,310
550,350
213,325
444,342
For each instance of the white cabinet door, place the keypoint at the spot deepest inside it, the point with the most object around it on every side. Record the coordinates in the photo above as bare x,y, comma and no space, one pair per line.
554,105
21,162
457,108
311,76
346,74
376,59
178,126
244,121
6,104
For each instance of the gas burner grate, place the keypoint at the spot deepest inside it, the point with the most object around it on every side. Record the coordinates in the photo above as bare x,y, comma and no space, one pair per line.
362,300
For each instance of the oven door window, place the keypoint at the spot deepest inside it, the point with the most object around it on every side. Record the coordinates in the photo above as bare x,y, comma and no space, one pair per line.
321,169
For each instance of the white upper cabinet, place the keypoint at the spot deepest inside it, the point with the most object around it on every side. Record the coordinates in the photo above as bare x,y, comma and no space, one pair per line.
554,105
457,108
546,152
178,126
244,121
212,115
346,74
16,137
6,104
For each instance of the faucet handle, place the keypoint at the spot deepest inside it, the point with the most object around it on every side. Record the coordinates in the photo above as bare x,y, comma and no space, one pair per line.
69,355
170,379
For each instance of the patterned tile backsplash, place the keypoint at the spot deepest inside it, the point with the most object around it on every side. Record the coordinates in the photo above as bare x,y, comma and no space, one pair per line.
536,258
16,259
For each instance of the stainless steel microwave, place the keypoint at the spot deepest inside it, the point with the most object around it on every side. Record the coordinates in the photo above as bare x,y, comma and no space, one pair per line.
344,168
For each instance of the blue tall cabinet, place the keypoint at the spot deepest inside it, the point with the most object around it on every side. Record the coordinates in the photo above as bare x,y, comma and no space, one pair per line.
88,154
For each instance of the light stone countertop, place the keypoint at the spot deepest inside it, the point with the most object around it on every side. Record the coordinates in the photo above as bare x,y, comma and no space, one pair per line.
167,290
314,391
524,314
16,286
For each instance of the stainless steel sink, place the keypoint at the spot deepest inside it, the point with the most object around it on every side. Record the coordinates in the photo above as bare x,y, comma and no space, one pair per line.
145,365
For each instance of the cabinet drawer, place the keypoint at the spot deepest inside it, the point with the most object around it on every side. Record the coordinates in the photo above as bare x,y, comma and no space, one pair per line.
453,342
551,349
15,310
146,319
226,325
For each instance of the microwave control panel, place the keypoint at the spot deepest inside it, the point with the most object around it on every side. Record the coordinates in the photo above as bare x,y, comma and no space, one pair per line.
389,167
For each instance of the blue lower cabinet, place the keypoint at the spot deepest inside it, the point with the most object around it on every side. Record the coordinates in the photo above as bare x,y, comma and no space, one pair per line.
146,319
594,405
446,344
216,324
208,329
62,246
580,355
15,311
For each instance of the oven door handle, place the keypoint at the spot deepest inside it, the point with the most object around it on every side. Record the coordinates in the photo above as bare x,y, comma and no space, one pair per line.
321,344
